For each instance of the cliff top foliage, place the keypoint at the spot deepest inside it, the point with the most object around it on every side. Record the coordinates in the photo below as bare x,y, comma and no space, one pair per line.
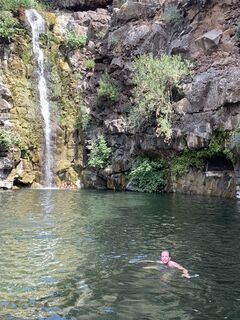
154,80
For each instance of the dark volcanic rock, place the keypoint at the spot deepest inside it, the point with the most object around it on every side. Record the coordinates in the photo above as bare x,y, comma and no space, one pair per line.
78,5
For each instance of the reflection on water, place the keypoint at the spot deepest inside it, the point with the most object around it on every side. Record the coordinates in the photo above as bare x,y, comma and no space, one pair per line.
75,255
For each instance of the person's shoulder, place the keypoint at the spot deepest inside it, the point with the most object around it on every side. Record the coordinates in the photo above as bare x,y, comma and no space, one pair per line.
173,264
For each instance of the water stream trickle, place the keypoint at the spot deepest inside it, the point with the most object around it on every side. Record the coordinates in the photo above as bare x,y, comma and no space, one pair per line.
38,25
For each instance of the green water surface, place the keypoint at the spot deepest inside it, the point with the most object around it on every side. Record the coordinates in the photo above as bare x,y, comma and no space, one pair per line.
77,255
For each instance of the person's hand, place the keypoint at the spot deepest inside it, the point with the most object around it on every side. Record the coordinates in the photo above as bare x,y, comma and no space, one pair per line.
186,274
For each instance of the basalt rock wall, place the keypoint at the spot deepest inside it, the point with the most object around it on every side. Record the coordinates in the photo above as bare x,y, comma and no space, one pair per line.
119,31
210,98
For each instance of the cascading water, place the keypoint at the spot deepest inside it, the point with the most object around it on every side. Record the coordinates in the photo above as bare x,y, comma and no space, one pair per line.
38,25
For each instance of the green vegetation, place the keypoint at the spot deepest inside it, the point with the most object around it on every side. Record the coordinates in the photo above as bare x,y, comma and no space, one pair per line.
148,175
90,64
100,35
108,89
187,159
238,31
75,41
14,5
9,26
182,163
83,118
10,139
172,15
27,124
7,139
64,86
154,79
100,153
235,138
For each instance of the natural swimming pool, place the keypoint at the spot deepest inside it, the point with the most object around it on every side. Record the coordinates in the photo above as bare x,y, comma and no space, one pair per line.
65,255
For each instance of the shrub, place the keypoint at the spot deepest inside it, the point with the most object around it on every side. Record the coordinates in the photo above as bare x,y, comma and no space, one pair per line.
90,64
75,41
187,159
100,153
148,175
14,5
154,79
9,26
172,15
182,163
238,31
235,138
8,139
100,35
83,118
108,89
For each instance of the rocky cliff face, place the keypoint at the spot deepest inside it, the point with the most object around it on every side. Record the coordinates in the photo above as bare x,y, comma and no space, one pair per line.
209,103
210,100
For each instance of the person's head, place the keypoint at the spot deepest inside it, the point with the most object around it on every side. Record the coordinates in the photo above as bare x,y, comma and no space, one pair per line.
165,256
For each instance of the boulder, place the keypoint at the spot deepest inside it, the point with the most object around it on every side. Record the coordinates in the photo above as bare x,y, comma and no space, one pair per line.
116,125
90,180
209,40
211,103
24,172
6,163
6,184
130,11
116,182
138,39
4,106
5,92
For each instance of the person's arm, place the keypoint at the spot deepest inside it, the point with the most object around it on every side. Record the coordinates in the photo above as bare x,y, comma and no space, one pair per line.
141,261
178,266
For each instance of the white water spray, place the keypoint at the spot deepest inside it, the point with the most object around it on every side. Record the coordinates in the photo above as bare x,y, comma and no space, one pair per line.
38,25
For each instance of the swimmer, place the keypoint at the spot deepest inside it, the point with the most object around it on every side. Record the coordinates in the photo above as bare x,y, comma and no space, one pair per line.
165,259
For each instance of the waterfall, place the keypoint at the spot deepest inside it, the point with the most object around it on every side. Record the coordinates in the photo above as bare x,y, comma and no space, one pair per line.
38,26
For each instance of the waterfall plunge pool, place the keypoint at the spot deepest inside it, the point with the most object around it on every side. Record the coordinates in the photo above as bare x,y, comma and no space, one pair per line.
65,255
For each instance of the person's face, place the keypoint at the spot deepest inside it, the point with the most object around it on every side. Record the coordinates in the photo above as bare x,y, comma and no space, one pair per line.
165,257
